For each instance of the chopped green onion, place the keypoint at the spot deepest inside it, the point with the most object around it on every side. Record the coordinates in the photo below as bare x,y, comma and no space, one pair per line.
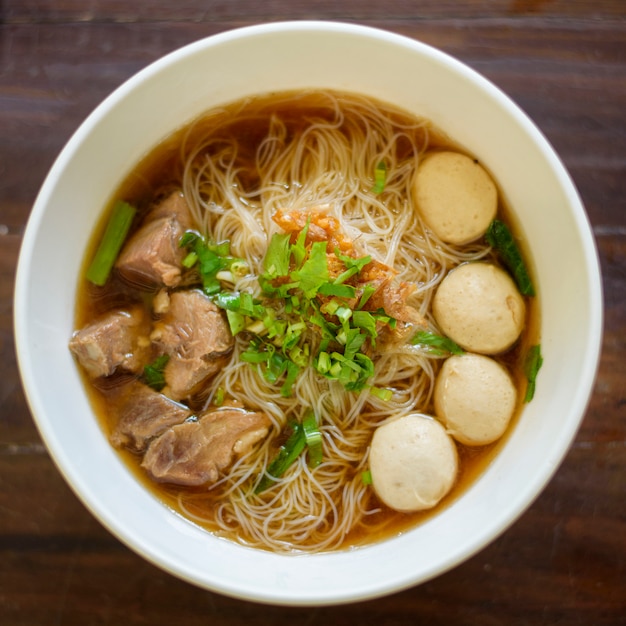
366,321
189,239
354,266
436,344
111,243
153,374
382,394
366,477
190,260
323,362
353,263
298,249
292,373
299,293
251,356
313,438
239,268
293,334
368,292
354,342
212,259
300,356
287,454
532,365
236,321
221,249
380,177
218,399
499,237
246,305
344,313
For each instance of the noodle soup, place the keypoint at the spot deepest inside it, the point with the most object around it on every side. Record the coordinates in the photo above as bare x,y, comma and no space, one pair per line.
306,204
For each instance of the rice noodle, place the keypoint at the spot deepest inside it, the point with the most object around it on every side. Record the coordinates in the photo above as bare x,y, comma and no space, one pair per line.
233,193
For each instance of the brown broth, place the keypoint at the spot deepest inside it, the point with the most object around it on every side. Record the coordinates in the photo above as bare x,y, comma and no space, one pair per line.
159,169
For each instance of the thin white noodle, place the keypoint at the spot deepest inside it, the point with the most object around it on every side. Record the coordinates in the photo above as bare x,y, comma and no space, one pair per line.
328,161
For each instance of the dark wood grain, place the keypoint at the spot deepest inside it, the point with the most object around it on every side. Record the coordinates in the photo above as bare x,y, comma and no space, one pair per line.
564,61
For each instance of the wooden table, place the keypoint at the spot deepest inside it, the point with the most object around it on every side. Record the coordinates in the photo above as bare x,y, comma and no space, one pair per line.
563,61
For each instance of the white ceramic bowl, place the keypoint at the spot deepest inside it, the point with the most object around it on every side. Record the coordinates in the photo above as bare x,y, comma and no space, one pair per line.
279,56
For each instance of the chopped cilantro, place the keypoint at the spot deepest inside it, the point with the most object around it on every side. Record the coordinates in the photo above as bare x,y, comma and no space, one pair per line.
276,260
298,294
314,271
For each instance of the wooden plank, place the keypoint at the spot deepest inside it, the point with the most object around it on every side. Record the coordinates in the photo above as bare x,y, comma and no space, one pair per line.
564,63
223,10
47,88
62,567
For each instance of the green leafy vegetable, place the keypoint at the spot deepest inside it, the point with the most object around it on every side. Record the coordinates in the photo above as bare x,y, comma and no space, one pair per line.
111,243
241,309
276,261
286,456
383,394
366,321
298,293
273,364
335,289
314,271
190,260
210,259
313,438
380,177
368,292
218,398
353,266
532,365
366,477
304,435
153,374
499,237
436,344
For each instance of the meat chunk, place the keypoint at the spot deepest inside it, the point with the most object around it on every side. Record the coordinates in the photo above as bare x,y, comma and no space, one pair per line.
195,453
115,340
152,257
196,335
143,415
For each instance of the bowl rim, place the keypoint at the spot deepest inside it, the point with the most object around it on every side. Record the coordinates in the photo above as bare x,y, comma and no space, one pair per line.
137,543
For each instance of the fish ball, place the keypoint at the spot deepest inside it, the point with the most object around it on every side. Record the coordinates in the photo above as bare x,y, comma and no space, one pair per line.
479,307
455,196
475,398
413,462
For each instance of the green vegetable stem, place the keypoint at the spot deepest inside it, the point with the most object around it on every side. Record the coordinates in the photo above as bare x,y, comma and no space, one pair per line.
304,435
111,243
499,237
